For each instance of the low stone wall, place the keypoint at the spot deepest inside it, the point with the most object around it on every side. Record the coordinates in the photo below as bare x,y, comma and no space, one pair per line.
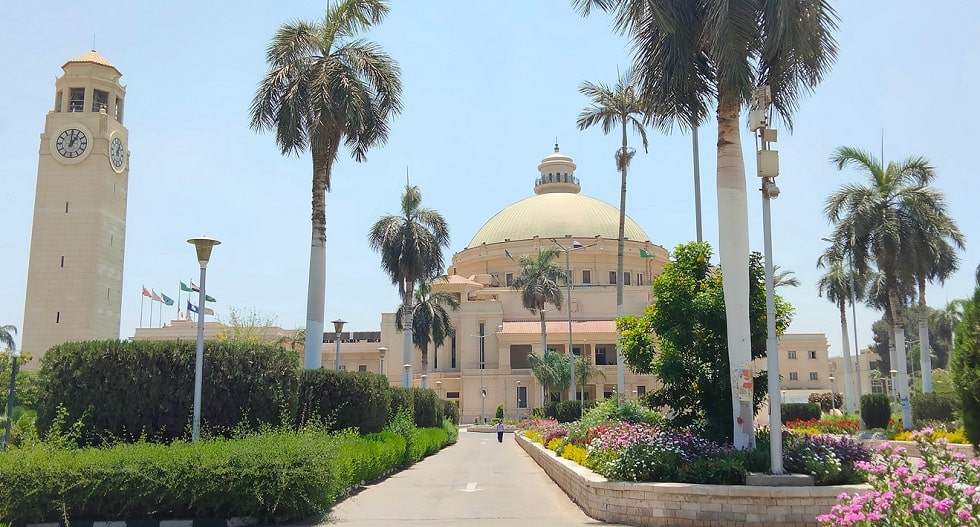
912,448
684,504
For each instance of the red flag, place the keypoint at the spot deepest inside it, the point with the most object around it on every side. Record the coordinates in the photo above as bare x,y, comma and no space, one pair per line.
146,293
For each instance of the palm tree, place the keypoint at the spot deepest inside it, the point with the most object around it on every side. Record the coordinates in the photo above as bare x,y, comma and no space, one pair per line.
7,333
585,371
293,340
944,322
431,323
836,283
539,284
617,107
784,278
325,88
691,55
411,249
551,370
887,217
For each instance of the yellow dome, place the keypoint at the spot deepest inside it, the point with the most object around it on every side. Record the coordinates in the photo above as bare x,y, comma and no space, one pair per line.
557,211
92,57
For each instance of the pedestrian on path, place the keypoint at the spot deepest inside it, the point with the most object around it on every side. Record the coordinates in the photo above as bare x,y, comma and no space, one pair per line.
500,431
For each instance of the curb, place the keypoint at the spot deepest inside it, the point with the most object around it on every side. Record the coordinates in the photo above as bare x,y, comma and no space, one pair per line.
233,522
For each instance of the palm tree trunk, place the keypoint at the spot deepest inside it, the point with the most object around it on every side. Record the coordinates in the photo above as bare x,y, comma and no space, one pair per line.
925,357
407,334
899,360
425,366
733,252
848,370
620,375
323,155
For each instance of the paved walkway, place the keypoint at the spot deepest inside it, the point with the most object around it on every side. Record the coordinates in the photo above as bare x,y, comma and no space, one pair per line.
477,481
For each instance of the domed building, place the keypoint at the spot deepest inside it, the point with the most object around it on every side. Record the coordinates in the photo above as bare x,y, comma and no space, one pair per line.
494,328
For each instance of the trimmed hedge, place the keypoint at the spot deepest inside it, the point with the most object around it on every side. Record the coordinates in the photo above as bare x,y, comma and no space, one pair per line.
799,411
933,407
126,389
876,410
344,399
568,411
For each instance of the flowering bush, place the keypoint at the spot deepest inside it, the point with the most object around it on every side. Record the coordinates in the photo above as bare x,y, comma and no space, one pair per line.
940,488
829,425
646,453
831,460
956,436
574,453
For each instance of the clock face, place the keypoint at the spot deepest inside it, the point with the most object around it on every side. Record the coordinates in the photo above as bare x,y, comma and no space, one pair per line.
117,153
71,143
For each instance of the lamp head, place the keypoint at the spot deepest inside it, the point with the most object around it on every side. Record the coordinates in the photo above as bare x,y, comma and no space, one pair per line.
203,245
382,350
338,326
771,190
893,373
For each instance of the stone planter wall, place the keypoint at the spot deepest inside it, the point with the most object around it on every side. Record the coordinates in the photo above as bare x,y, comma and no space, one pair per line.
684,504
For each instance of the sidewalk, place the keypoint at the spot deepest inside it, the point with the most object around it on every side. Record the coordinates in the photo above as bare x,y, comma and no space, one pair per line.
477,481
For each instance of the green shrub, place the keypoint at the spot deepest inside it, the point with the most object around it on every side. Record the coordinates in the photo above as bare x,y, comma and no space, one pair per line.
568,411
452,431
401,399
425,408
965,366
826,401
876,410
499,414
802,411
344,399
146,388
450,410
551,410
933,407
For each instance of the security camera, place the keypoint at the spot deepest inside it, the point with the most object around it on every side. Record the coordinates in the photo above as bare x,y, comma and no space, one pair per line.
771,190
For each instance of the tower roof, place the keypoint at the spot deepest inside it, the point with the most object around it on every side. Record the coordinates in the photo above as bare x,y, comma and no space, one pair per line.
92,57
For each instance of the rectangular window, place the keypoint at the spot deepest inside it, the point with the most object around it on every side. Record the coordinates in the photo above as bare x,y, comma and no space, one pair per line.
522,396
639,278
452,356
586,276
66,207
626,279
877,386
362,367
811,354
612,277
792,355
119,109
57,101
509,279
76,100
343,367
641,390
100,101
57,317
872,365
600,356
813,376
483,338
577,352
62,262
452,395
107,293
794,376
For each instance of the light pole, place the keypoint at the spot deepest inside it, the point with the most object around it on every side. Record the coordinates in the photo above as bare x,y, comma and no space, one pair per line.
518,404
203,246
568,282
894,373
338,328
14,357
767,162
833,396
425,380
381,354
439,388
407,373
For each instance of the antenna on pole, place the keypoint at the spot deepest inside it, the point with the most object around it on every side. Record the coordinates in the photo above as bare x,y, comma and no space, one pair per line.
406,176
93,41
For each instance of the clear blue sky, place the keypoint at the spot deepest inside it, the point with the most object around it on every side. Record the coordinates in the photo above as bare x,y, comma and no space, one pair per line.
488,86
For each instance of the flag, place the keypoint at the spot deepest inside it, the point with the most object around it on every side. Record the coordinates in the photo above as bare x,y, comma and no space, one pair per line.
208,311
193,309
507,254
577,245
209,298
166,299
155,296
146,293
190,307
183,287
645,254
194,287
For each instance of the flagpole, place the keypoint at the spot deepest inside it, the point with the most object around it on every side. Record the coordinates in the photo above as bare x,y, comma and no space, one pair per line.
141,309
151,311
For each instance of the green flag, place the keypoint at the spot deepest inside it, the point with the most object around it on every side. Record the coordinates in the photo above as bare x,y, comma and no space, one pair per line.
209,298
507,254
645,254
183,287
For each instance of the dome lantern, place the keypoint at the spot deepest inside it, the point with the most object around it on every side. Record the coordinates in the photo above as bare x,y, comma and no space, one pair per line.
557,174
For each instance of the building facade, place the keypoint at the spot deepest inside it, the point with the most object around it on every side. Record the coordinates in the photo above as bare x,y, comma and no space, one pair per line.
74,277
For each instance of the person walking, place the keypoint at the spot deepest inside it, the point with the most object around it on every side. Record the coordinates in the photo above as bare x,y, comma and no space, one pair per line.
500,431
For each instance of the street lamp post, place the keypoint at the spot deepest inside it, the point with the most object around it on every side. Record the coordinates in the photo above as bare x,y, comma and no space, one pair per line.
14,357
425,380
518,403
568,282
894,373
203,246
338,328
407,374
439,388
381,354
833,396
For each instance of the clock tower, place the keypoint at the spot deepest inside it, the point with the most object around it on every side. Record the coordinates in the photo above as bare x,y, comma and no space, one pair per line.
74,277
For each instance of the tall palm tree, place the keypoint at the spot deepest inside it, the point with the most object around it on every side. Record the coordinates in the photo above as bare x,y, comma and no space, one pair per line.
934,259
7,333
411,249
551,370
944,322
836,284
539,283
887,216
691,55
619,107
784,278
431,323
324,88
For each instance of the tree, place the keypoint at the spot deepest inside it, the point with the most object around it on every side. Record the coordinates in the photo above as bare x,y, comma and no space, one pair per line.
431,323
837,285
681,338
7,333
293,340
539,284
692,55
248,327
551,370
888,218
784,278
585,371
411,249
942,325
965,366
619,107
324,89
